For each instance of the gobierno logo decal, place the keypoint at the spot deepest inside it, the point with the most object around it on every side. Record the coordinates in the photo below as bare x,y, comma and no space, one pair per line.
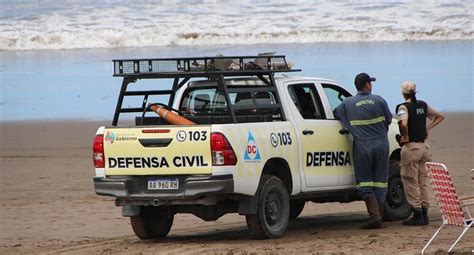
109,137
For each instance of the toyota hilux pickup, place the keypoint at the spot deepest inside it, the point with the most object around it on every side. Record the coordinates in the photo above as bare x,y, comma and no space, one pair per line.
228,134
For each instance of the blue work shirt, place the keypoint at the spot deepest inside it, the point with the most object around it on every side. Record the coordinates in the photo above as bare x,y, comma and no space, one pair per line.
364,115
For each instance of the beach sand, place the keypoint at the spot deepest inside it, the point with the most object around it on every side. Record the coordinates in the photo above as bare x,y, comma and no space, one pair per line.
48,204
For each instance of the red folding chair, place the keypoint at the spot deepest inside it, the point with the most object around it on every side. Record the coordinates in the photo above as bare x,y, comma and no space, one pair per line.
453,210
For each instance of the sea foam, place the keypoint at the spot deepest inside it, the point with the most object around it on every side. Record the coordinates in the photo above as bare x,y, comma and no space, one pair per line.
52,24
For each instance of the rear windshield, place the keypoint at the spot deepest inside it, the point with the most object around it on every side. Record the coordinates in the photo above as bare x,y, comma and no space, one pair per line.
210,101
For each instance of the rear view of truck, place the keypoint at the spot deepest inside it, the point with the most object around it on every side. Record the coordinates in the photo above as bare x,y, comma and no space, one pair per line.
147,169
157,167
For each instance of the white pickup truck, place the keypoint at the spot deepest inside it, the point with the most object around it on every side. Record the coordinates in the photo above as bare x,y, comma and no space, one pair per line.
261,146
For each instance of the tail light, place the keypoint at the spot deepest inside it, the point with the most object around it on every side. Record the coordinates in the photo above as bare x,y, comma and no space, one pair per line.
98,151
221,150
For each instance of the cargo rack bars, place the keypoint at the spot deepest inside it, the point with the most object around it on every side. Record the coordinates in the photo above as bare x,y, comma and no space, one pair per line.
181,70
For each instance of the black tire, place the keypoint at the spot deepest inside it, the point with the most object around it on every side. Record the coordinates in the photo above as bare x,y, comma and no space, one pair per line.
153,222
396,205
296,207
273,211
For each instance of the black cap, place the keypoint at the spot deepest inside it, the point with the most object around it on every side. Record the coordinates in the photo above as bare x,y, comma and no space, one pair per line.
362,78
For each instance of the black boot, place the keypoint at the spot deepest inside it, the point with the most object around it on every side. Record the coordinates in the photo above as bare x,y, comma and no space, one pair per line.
381,208
373,209
416,220
424,212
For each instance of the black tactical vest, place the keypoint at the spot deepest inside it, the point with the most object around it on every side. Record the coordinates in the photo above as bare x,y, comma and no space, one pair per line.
416,120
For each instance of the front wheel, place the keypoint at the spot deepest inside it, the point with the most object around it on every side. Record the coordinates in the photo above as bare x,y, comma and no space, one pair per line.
152,222
396,205
273,211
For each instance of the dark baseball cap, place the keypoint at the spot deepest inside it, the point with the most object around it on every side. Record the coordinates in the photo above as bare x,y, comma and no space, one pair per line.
362,78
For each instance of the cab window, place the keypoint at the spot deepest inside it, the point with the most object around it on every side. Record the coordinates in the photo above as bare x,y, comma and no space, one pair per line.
335,94
200,101
306,100
211,102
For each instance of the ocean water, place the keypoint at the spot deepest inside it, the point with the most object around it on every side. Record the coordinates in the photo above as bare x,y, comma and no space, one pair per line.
77,24
55,56
78,84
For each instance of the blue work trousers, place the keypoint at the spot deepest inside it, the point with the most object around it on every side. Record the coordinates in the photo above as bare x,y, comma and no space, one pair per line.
371,159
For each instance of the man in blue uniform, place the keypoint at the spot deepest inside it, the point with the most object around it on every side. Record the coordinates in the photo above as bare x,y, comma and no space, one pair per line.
367,118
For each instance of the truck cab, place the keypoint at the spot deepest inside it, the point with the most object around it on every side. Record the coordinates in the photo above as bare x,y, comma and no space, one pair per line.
260,144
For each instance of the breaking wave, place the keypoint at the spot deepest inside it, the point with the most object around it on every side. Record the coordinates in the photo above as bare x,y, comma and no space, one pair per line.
50,24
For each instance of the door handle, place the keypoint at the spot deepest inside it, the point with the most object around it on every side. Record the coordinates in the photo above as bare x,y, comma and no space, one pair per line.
308,132
344,131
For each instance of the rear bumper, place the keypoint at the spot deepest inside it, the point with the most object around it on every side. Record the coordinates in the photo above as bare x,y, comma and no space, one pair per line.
135,187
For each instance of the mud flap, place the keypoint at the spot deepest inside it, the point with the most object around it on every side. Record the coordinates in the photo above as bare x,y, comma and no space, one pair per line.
248,205
130,210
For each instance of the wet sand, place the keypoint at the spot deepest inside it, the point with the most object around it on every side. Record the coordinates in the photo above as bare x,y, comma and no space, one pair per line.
48,204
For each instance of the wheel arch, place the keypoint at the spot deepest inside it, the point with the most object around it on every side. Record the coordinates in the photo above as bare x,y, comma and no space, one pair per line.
280,168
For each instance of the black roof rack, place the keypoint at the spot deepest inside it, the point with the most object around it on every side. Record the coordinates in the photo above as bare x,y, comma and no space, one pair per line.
201,66
181,70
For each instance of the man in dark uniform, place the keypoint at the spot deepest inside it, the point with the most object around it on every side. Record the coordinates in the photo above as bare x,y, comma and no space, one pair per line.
415,152
367,118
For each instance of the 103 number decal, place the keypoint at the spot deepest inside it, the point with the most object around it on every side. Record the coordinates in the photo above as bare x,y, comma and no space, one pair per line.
182,136
197,135
283,138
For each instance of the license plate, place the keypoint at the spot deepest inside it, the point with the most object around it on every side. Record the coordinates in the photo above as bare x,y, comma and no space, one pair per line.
163,184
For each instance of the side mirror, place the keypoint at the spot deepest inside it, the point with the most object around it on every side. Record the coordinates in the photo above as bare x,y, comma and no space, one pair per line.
340,96
344,131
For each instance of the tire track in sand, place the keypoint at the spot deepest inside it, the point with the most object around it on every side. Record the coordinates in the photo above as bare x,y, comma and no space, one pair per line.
184,236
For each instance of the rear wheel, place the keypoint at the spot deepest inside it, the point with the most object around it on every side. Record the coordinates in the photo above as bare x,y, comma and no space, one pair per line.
152,222
273,211
296,207
396,205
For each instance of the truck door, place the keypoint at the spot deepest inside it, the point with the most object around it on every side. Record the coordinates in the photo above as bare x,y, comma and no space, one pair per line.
332,95
323,148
